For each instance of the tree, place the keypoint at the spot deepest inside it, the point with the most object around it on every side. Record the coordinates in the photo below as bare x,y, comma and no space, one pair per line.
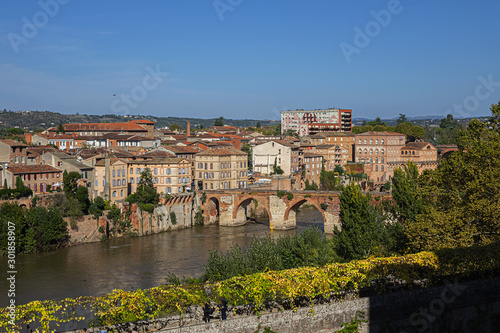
219,121
82,195
15,131
174,127
377,122
258,124
146,192
403,128
402,119
415,133
70,182
406,204
363,232
50,230
60,129
379,128
463,192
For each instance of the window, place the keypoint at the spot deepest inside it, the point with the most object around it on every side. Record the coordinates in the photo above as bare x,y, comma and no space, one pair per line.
121,193
114,194
156,171
113,173
131,170
103,183
371,141
376,141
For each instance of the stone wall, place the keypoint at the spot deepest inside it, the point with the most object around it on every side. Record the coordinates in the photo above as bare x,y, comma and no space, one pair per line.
455,306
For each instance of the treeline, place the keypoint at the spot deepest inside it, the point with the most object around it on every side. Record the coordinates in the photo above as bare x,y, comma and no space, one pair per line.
455,206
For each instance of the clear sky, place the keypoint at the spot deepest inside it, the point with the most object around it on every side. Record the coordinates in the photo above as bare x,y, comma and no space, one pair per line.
250,59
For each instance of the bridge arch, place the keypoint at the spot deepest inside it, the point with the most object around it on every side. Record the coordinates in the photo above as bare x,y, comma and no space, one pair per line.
212,210
243,205
291,211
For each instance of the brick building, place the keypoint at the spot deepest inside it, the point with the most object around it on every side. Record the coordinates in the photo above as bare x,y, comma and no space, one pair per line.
223,168
36,177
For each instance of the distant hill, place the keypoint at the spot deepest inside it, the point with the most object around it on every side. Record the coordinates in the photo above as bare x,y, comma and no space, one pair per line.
31,120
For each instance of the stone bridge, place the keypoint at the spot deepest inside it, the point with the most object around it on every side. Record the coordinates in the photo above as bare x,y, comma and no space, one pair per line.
233,207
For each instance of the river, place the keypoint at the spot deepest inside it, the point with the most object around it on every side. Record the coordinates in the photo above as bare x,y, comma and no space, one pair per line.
131,263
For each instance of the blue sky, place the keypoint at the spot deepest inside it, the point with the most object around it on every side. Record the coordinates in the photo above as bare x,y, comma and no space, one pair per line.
250,59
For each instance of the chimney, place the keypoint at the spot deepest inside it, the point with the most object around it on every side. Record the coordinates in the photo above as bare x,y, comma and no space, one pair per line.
188,129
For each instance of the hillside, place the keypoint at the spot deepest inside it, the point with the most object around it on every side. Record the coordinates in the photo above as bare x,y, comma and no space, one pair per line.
31,120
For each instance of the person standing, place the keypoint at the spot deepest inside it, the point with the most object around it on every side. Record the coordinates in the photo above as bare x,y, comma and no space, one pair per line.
206,312
223,309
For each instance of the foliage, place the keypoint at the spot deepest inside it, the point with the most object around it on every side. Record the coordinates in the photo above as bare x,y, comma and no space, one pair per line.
145,193
256,289
37,229
353,325
463,195
310,187
82,195
406,204
97,207
289,196
324,206
308,248
276,168
203,198
70,183
115,214
173,218
327,179
281,194
60,129
219,121
174,127
363,230
198,218
148,207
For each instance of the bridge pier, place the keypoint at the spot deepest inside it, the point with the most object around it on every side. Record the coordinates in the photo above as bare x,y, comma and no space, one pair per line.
277,209
331,221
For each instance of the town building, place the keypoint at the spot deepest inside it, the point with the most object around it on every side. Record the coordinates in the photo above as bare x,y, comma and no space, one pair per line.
170,175
305,122
39,178
379,149
12,152
140,127
222,168
423,154
110,179
311,167
279,152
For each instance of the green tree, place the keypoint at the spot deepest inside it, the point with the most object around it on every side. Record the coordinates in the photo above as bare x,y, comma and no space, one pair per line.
60,129
219,121
70,182
415,133
463,192
407,203
174,127
402,119
49,227
403,128
363,232
15,131
258,125
82,195
146,192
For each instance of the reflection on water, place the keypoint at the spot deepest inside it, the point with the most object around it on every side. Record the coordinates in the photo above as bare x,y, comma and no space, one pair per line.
131,263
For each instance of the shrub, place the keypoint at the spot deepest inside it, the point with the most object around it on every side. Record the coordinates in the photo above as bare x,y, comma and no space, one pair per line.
289,196
173,218
281,194
324,206
149,207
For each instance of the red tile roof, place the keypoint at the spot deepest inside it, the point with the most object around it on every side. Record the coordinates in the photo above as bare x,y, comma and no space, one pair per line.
40,168
13,143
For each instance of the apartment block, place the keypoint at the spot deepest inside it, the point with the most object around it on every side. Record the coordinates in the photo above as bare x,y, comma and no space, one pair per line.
222,168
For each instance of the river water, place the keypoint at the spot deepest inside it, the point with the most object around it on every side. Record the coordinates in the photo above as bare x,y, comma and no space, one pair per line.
131,263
